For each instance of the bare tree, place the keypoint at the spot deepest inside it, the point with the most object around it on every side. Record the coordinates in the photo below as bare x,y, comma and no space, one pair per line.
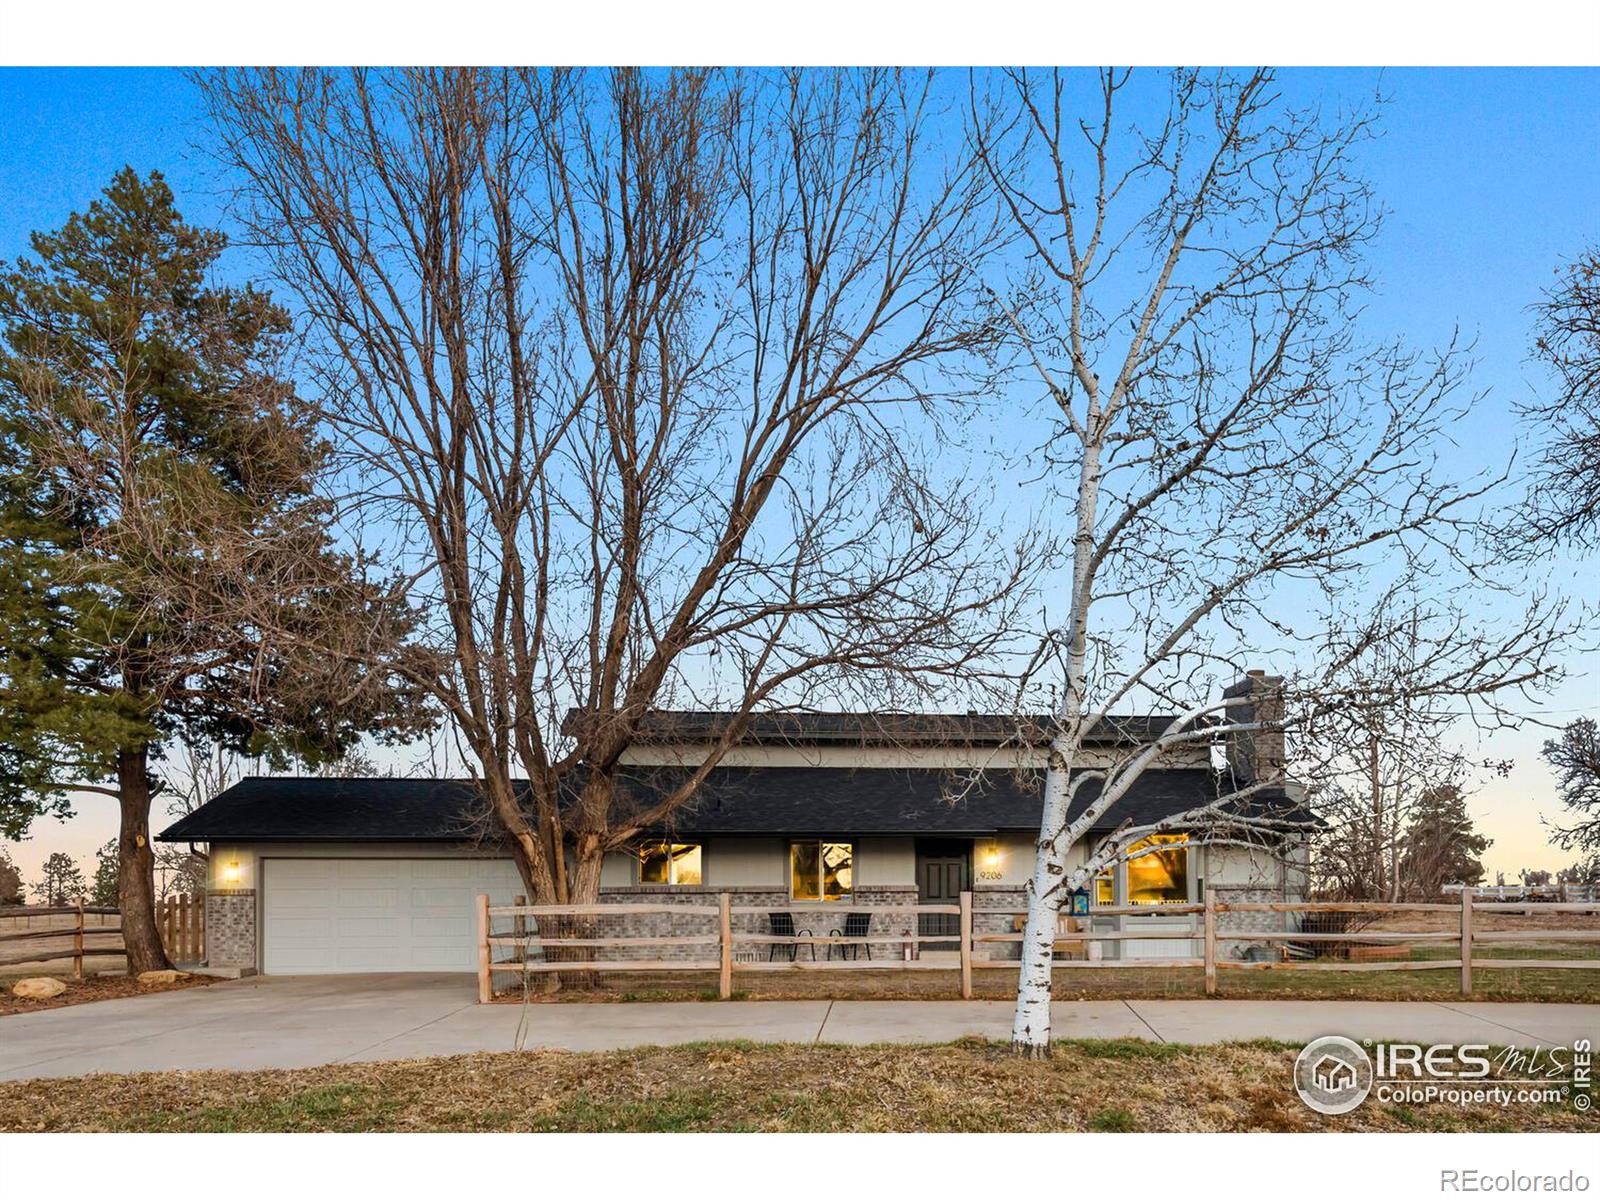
1563,504
628,362
1385,751
1228,451
1575,755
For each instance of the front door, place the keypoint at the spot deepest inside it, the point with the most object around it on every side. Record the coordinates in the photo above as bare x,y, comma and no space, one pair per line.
944,871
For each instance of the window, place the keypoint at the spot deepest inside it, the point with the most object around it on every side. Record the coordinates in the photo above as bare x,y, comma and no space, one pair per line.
1159,876
821,870
670,862
1105,893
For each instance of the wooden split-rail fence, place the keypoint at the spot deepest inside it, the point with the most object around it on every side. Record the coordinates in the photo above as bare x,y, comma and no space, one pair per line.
58,932
78,931
560,938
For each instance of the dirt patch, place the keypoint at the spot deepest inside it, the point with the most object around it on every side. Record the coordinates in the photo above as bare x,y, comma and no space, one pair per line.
962,1086
92,988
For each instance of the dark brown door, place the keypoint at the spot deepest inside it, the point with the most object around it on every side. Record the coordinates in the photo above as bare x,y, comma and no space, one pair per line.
944,871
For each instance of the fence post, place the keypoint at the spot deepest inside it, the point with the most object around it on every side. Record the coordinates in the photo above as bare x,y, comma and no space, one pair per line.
1466,940
77,944
1210,923
520,925
183,929
484,992
725,942
966,945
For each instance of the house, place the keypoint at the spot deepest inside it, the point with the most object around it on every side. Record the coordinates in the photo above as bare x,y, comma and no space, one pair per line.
812,812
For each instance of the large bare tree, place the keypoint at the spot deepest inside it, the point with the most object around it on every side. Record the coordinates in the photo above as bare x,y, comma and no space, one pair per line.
1236,467
1563,503
637,369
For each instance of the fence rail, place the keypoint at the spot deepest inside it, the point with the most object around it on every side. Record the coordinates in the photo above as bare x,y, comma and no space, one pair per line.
180,920
537,949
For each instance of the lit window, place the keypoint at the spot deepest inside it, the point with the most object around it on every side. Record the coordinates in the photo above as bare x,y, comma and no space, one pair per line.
670,862
1159,876
1105,892
821,870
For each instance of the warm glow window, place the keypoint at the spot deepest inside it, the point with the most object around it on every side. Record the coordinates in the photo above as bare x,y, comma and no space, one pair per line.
1105,893
821,870
1158,870
670,862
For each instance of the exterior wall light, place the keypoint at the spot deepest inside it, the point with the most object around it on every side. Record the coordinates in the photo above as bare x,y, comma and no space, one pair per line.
230,873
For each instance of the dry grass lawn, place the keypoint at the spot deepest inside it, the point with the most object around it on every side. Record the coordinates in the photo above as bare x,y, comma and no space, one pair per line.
1110,1086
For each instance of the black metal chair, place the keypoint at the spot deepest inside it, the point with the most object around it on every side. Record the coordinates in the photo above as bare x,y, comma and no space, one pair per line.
781,924
855,926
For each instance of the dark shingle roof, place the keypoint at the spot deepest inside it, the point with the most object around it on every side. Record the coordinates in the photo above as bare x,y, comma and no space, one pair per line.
879,728
733,800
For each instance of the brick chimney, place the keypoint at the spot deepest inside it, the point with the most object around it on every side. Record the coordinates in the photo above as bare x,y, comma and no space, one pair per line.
1256,756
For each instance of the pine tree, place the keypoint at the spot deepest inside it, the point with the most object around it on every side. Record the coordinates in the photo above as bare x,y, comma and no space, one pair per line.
1440,845
60,881
104,891
167,574
10,880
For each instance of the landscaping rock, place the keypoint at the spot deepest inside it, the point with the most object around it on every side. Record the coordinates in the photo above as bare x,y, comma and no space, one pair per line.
151,978
38,988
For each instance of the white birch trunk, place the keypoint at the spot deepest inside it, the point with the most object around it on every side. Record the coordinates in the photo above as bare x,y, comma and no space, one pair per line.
1030,1025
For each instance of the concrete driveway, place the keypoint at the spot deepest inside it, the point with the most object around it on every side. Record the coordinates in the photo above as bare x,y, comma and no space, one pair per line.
304,1021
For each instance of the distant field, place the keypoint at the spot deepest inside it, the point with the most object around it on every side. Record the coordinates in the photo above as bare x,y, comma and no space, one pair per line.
49,956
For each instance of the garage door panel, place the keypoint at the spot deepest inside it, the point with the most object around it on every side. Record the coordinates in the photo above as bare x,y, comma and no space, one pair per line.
330,915
441,927
437,897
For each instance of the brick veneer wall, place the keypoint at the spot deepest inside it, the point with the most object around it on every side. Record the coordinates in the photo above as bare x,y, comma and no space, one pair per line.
986,898
231,928
1252,922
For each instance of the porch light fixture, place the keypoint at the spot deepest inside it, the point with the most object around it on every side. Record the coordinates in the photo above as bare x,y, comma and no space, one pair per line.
230,873
991,856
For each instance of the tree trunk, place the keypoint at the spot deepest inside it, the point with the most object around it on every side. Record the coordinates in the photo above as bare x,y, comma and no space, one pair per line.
1030,1024
136,889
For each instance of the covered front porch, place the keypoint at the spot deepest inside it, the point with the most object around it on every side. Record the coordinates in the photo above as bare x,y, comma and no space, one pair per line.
812,882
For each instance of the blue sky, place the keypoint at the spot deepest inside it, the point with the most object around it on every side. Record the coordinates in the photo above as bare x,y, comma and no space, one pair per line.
1490,178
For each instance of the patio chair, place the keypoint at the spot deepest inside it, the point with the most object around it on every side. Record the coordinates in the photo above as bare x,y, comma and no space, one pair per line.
781,924
855,926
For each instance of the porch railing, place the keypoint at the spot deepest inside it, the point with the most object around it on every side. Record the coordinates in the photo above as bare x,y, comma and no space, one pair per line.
563,938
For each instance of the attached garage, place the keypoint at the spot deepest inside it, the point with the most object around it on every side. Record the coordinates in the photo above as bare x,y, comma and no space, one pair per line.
344,876
332,915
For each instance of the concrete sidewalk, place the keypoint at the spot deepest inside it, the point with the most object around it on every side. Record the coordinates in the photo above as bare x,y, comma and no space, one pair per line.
309,1021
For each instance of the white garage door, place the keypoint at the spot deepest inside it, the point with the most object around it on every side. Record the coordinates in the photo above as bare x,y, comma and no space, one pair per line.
331,915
